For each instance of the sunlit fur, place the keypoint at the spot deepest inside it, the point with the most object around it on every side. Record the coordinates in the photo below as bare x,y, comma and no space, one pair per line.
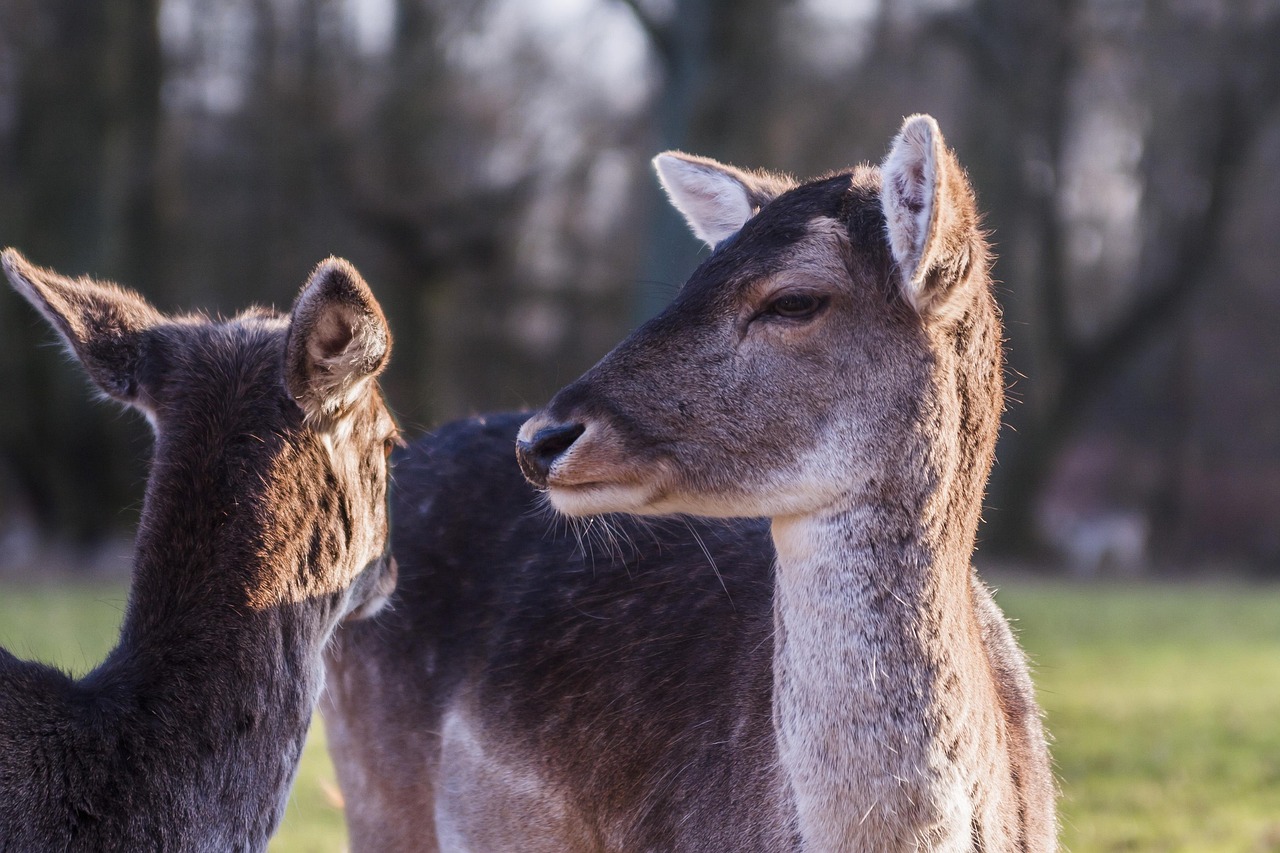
615,683
261,528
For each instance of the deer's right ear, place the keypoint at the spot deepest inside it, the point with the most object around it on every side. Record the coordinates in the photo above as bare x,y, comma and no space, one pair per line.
102,324
338,340
716,200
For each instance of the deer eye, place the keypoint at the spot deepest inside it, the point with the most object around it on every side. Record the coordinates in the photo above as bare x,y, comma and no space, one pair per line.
389,444
795,305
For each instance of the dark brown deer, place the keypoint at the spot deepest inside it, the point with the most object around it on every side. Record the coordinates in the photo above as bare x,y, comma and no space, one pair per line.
833,365
264,524
536,687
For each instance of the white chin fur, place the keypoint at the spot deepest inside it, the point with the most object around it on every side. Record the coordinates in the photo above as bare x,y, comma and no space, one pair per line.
598,500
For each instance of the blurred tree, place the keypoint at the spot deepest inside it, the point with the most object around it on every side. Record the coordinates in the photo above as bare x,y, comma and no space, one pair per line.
420,193
79,161
718,65
485,165
1203,116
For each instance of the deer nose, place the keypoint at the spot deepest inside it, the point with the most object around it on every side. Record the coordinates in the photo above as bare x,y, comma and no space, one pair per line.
539,453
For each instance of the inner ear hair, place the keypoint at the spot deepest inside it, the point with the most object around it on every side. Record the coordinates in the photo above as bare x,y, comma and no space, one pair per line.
931,219
715,199
338,339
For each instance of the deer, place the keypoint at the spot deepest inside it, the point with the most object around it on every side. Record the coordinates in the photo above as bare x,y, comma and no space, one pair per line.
619,672
732,606
264,524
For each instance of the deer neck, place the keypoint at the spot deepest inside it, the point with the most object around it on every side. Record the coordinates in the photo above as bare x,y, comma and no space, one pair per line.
200,655
878,669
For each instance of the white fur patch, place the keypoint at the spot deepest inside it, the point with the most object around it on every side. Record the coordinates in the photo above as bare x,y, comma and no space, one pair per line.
586,501
853,716
713,202
908,194
488,800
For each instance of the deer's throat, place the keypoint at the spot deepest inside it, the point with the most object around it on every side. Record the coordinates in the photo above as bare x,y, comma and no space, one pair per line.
874,648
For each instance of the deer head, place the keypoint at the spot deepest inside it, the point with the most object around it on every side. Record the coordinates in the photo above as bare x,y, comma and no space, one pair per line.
801,359
243,410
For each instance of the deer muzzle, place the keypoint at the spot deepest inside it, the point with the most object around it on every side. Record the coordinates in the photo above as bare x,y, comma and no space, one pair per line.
543,446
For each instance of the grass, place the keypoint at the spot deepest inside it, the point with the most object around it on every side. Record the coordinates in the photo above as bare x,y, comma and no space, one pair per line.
1164,701
1165,705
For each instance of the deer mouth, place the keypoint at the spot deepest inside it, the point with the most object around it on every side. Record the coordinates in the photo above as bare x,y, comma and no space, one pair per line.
585,467
583,475
599,497
585,484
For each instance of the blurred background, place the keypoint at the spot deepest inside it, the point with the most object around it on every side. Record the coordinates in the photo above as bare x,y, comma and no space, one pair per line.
485,164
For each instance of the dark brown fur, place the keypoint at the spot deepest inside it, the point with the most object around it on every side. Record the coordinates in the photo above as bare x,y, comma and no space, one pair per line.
628,669
264,523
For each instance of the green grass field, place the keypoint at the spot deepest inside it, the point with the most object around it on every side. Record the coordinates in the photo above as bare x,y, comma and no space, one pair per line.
1164,702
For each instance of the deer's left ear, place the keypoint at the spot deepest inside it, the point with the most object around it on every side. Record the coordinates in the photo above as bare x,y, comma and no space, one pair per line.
338,340
931,218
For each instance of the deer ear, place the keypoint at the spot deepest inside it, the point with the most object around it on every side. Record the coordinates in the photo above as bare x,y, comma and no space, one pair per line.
930,216
103,325
716,200
338,340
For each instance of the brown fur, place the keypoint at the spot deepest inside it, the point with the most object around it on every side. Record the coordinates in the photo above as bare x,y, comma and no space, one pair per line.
264,524
863,423
537,687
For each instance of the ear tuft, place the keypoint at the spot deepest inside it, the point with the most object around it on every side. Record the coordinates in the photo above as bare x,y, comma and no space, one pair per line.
931,220
338,340
102,324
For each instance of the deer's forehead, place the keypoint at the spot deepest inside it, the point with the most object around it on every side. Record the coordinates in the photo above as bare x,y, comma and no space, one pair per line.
821,255
814,251
810,231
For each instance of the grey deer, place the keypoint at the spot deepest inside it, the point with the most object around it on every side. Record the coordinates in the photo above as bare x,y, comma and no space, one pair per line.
835,365
263,525
646,684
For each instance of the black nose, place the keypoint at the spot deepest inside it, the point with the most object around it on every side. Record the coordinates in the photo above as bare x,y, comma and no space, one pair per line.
537,456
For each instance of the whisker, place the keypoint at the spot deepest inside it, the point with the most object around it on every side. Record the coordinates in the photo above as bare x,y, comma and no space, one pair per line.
706,552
